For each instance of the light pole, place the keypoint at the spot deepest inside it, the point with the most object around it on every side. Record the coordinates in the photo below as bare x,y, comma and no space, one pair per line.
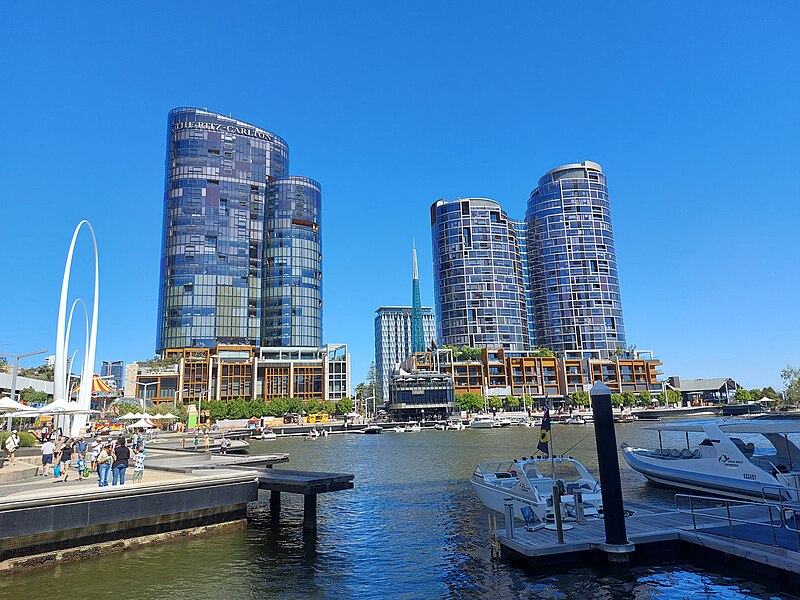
200,404
180,392
16,358
144,385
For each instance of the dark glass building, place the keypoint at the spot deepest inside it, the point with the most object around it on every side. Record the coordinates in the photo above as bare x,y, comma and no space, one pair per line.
292,282
573,265
219,175
478,275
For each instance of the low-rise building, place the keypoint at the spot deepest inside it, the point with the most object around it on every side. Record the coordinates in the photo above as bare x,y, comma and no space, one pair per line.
421,395
192,375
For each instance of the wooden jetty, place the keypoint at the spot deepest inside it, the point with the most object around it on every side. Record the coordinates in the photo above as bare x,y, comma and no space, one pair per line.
306,483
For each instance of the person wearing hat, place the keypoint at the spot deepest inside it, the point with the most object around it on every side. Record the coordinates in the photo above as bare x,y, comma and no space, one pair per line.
80,448
12,443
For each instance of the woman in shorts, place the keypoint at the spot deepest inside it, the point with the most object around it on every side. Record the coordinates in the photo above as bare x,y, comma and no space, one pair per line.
66,458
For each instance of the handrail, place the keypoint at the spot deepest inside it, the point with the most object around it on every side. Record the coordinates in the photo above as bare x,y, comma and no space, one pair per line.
727,516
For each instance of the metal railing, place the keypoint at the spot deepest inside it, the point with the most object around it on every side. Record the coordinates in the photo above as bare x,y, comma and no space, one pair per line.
721,510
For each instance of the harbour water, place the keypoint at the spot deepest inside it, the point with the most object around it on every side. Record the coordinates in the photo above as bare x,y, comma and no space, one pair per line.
411,528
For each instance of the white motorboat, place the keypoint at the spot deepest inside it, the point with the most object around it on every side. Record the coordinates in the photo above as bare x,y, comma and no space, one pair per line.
724,464
440,426
529,482
455,425
412,427
264,434
576,420
626,416
482,422
502,422
373,428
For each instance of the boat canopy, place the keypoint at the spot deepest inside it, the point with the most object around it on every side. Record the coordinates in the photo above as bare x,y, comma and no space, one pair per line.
740,426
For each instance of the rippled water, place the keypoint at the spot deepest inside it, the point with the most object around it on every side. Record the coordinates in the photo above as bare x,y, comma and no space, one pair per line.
411,528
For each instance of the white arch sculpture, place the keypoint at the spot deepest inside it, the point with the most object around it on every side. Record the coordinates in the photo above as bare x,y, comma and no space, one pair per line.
59,391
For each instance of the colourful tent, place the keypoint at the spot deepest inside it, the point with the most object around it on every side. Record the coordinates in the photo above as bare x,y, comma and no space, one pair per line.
100,389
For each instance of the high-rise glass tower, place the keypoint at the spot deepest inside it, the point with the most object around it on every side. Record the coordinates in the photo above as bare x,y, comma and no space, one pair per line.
292,282
478,275
573,265
221,174
393,339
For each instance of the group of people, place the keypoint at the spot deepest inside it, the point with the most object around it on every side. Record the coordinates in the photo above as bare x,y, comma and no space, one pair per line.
224,443
105,456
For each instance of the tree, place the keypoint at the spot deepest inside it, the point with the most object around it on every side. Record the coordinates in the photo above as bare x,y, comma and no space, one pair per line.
674,397
791,382
31,396
770,393
645,397
256,408
755,394
469,402
294,405
541,351
217,409
43,372
742,395
616,400
329,407
344,406
312,407
512,403
496,402
372,383
628,399
580,398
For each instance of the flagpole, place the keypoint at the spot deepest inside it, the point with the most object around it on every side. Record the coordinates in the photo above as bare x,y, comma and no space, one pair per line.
552,447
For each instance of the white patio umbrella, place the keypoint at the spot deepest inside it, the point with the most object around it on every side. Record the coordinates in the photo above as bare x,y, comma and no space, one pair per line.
144,415
7,405
140,424
164,417
128,417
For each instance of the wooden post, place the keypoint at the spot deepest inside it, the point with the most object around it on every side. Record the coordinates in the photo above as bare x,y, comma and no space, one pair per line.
274,502
310,511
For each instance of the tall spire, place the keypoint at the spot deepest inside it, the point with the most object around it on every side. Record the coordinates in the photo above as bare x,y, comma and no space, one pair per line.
417,333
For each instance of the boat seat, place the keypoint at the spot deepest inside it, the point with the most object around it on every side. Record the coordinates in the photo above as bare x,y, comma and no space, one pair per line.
675,454
687,453
696,453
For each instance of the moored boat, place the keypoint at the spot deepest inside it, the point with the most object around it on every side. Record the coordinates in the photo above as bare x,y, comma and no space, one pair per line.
482,422
373,428
529,482
724,464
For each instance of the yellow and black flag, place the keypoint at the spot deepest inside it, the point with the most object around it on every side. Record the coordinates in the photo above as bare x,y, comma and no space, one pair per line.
544,434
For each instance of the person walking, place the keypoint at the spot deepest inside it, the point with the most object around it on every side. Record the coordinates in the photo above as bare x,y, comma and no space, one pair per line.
138,465
65,459
48,449
12,443
207,440
223,445
196,440
104,460
121,457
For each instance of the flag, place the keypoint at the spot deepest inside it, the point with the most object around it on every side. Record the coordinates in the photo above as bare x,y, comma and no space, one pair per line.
544,434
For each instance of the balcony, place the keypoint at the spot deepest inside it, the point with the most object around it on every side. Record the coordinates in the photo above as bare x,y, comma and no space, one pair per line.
159,371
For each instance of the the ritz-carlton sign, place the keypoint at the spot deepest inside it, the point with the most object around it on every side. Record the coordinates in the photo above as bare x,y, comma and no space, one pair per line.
251,131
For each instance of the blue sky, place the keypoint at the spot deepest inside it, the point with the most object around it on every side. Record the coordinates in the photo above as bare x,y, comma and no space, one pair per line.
691,108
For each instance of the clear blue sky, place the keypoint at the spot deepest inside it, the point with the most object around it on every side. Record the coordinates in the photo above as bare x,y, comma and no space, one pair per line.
691,108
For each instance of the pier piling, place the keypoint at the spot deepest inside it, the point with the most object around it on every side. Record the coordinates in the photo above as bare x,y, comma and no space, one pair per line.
616,545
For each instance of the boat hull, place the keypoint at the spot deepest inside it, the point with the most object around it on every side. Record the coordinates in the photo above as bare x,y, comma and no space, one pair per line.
698,481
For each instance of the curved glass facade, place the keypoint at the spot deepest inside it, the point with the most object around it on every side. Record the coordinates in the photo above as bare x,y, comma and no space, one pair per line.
573,264
478,275
292,281
217,170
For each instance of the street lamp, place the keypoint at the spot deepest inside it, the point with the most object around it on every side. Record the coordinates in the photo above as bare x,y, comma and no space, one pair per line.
16,358
179,392
144,385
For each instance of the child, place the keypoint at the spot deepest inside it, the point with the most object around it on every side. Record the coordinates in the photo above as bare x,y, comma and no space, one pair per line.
138,465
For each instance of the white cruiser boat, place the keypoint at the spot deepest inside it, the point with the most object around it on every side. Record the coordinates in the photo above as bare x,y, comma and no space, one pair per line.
528,482
722,463
482,422
455,425
502,422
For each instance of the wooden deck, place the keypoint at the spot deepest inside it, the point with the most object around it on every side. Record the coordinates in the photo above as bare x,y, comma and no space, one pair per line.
749,537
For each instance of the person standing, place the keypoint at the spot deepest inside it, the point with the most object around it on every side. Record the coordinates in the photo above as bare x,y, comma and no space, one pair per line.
138,465
94,450
48,449
207,440
121,457
223,445
104,460
12,443
81,447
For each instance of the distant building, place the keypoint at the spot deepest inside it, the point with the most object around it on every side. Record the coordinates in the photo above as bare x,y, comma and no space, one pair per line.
393,340
50,361
421,395
115,371
718,390
573,264
194,375
478,276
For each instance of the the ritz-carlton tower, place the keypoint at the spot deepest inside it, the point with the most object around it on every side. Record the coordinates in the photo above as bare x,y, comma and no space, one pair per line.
241,255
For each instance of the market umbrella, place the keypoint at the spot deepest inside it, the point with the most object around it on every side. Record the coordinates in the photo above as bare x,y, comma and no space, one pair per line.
144,415
7,405
140,424
129,417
